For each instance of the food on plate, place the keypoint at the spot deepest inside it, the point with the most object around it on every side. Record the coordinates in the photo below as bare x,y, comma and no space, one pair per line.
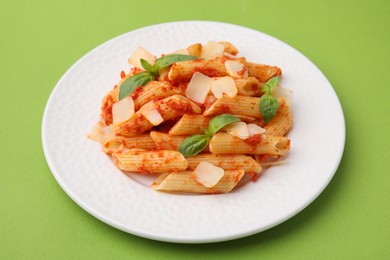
201,119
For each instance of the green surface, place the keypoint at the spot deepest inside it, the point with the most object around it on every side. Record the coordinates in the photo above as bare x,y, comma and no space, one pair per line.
348,40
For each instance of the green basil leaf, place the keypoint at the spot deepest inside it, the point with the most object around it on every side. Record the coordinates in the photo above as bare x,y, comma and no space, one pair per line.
194,144
147,66
220,121
168,60
270,85
127,87
268,107
207,133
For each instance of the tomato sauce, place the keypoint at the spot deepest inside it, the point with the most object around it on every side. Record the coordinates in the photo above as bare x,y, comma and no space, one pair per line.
107,110
184,107
253,140
224,109
210,72
137,91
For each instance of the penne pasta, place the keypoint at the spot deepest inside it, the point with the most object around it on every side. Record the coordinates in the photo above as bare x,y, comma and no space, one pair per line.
107,103
169,108
118,143
154,90
248,86
238,105
190,124
195,49
169,142
183,71
229,48
226,162
166,141
224,143
185,182
137,160
163,74
281,123
263,72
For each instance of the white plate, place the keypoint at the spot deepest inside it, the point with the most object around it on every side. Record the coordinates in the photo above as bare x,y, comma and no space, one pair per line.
89,177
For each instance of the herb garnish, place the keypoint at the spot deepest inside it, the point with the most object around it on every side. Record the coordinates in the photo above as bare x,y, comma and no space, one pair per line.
141,79
194,144
269,105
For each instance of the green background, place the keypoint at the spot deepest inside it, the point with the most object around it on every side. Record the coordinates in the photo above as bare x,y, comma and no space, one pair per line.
348,40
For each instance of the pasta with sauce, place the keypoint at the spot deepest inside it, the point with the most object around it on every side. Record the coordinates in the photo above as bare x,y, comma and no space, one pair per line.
203,100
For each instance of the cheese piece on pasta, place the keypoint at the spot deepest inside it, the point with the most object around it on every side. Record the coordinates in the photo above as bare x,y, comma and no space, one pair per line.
224,85
139,54
254,129
208,174
152,115
287,94
212,50
238,129
122,110
199,87
236,68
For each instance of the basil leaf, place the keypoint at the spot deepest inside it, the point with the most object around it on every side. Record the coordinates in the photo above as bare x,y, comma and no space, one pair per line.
207,132
194,144
270,84
147,66
220,121
268,107
170,59
127,87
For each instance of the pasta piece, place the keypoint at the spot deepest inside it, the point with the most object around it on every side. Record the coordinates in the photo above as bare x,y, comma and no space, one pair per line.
163,74
195,49
170,108
107,103
190,124
249,86
229,48
118,143
136,125
210,99
137,160
169,142
224,143
166,141
100,133
185,182
281,123
153,90
183,71
239,105
226,162
263,72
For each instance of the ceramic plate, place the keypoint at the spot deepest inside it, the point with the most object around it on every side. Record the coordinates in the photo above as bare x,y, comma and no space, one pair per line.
90,178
